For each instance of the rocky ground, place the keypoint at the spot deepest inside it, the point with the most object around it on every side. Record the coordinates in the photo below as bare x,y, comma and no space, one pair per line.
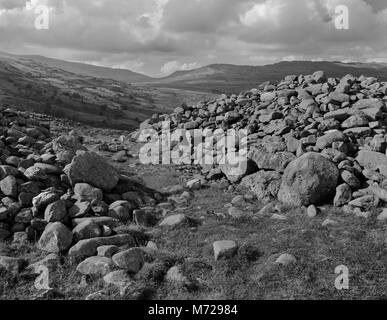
82,218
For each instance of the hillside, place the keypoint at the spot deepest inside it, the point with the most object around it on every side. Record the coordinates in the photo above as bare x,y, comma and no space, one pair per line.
227,78
105,97
220,78
91,70
35,86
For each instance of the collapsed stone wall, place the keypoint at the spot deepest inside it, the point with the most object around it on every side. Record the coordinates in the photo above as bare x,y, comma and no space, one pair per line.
66,199
311,139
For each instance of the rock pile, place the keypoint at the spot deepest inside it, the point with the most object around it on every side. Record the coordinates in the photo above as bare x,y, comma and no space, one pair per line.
311,139
67,199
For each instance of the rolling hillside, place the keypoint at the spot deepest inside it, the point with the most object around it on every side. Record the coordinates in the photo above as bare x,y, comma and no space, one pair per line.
220,78
91,70
226,78
121,99
34,86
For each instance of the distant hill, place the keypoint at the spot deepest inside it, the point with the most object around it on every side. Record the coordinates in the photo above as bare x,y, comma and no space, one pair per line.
227,78
91,70
32,85
219,78
116,98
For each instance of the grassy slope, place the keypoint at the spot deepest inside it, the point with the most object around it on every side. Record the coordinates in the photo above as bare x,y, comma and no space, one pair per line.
215,78
358,244
30,85
121,75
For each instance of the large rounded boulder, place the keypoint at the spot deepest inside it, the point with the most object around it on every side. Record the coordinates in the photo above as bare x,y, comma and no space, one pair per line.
88,167
310,179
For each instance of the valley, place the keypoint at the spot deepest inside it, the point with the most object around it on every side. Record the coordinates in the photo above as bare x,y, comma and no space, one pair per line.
32,86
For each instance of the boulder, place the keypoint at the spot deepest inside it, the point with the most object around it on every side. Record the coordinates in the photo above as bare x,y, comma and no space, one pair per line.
80,209
88,247
24,216
101,221
276,161
366,202
174,220
357,120
194,184
371,159
66,146
350,179
225,249
41,201
310,179
326,140
55,238
107,251
312,211
235,213
6,171
286,259
264,184
120,212
368,104
9,186
119,279
86,230
383,215
50,262
56,211
99,266
131,260
237,167
88,167
175,275
86,192
343,195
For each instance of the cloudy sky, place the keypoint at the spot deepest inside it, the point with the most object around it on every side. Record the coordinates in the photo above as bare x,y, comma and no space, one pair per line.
157,37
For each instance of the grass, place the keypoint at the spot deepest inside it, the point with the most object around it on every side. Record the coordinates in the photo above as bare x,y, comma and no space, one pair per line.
99,102
358,243
353,242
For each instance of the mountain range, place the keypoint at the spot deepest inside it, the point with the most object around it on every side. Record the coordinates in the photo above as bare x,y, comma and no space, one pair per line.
121,98
218,78
74,91
227,78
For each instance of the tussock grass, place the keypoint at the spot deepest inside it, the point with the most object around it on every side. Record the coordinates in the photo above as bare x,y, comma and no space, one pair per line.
358,243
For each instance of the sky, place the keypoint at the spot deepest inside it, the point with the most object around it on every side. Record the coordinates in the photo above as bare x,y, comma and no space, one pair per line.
158,37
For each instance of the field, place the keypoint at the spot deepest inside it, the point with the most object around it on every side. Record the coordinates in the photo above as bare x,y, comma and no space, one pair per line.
357,243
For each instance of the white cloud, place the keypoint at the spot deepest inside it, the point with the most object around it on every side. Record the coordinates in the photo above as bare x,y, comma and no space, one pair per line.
173,66
267,12
131,65
154,36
